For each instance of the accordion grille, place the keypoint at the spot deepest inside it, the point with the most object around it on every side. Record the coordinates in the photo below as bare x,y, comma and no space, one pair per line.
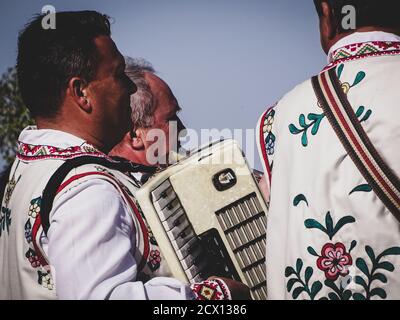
244,224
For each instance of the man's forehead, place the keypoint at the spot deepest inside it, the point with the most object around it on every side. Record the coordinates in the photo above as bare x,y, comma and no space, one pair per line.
108,51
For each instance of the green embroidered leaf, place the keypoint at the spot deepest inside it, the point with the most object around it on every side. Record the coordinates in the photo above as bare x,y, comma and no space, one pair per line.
323,299
361,282
362,266
361,188
298,199
359,297
302,121
386,266
360,76
312,252
293,129
289,271
333,296
304,139
299,265
312,116
316,125
329,224
378,292
367,116
291,283
308,274
314,224
347,295
352,246
360,111
370,253
395,251
315,289
380,277
332,285
297,292
342,222
340,70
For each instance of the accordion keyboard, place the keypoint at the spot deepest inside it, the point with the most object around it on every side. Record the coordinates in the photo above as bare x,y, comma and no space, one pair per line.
244,224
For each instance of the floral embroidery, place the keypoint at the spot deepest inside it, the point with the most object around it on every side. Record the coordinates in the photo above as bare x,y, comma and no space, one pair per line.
45,280
374,274
28,231
267,130
5,212
304,284
334,261
34,208
154,260
32,258
5,220
361,188
311,123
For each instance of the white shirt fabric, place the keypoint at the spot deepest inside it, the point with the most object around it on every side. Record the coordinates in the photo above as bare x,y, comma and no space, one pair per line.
90,241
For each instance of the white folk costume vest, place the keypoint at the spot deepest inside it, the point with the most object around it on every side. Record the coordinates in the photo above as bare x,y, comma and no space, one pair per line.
24,270
329,236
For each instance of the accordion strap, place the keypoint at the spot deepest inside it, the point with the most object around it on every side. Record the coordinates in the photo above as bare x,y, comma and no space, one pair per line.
351,134
50,191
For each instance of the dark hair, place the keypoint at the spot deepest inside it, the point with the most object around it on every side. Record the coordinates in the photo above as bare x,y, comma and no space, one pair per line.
49,58
369,13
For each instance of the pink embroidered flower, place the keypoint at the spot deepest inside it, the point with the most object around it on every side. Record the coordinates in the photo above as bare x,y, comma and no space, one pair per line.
334,261
155,257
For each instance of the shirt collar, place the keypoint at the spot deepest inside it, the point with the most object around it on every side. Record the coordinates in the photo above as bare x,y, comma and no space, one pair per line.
361,37
39,144
49,137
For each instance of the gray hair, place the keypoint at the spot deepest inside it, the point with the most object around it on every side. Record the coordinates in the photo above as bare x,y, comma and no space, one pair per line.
142,102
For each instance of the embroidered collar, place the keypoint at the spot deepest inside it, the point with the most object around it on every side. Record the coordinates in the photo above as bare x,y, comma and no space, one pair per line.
357,51
37,144
360,38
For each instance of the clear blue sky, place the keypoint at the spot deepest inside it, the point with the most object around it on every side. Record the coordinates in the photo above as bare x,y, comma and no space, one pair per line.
225,60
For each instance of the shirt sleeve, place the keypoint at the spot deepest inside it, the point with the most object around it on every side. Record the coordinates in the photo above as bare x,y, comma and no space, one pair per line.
90,249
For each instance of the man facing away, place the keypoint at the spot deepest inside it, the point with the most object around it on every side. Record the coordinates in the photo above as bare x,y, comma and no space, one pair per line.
155,121
94,243
329,236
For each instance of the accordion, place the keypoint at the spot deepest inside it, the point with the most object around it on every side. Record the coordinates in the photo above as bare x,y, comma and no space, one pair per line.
209,217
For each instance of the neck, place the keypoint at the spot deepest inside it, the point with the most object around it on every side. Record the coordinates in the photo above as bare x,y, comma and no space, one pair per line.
340,36
69,127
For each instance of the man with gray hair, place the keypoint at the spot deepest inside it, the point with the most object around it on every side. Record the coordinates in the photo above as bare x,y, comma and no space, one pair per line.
156,125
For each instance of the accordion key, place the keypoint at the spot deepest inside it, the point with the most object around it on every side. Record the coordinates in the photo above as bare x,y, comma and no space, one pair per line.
209,217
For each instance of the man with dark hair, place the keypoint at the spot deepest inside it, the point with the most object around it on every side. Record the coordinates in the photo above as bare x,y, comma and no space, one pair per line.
64,220
330,234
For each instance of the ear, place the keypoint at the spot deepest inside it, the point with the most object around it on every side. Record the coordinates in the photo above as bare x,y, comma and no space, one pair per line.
78,91
328,22
137,140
